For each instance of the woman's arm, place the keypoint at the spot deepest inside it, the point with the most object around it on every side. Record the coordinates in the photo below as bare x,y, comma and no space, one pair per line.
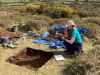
70,41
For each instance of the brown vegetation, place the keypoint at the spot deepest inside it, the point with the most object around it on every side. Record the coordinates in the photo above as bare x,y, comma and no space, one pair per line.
85,64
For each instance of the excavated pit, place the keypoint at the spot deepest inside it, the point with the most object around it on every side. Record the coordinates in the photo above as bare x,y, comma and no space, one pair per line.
30,58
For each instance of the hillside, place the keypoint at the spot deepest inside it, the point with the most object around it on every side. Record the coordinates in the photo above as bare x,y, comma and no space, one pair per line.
38,19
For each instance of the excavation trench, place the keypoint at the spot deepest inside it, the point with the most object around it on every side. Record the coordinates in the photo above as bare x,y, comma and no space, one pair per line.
30,58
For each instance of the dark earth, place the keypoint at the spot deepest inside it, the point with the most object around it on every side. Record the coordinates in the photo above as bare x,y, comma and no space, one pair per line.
10,34
30,58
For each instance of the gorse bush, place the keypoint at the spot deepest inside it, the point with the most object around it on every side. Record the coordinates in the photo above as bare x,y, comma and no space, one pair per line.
58,11
54,11
30,7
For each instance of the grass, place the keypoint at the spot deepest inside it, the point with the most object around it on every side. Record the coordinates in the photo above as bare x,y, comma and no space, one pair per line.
38,0
10,0
52,67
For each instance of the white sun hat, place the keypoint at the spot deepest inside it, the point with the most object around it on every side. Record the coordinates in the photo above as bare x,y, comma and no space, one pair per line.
70,23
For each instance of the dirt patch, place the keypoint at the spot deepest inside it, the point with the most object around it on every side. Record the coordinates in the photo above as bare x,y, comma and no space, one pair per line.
10,34
3,13
30,58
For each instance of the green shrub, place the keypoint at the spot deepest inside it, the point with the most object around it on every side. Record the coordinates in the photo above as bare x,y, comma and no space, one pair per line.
30,7
58,11
55,11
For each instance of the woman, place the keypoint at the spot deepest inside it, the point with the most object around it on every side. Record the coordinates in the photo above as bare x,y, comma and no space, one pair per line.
72,38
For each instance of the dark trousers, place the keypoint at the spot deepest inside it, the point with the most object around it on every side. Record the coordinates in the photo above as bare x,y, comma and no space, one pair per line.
72,48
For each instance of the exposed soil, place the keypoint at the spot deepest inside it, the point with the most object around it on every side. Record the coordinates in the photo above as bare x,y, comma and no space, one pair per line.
30,58
10,34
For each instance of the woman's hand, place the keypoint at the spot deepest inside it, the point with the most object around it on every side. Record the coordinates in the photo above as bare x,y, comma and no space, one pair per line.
63,38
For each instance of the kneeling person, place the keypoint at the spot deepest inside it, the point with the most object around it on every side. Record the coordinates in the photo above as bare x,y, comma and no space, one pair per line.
72,38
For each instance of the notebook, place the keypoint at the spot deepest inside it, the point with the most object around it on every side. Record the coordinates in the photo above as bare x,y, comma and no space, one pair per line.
59,57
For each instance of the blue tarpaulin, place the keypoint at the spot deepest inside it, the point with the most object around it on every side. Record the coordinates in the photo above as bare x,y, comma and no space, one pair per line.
53,44
58,43
81,30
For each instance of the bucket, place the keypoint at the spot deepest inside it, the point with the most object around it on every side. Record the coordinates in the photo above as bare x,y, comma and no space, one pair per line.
14,29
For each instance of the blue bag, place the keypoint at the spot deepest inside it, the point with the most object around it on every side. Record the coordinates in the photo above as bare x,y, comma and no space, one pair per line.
58,28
